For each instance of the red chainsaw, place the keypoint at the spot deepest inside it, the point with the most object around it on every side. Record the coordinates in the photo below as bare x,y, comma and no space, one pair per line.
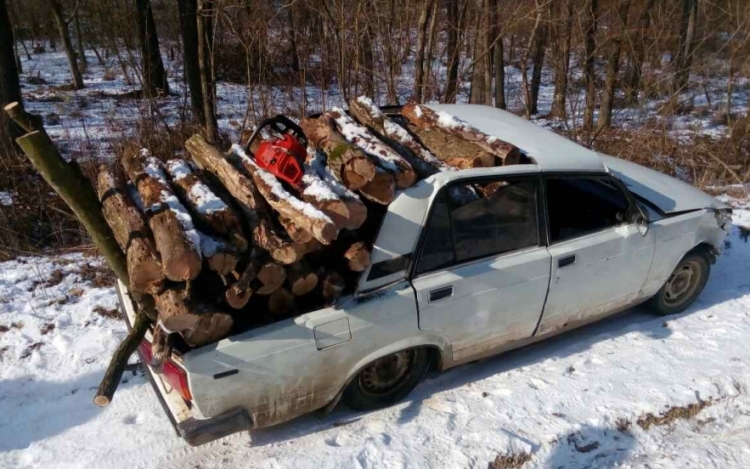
284,154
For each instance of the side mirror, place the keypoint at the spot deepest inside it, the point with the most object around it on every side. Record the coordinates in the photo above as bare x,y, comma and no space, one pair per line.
641,223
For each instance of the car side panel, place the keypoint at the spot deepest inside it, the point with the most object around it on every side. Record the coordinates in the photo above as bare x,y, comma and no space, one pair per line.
674,237
283,371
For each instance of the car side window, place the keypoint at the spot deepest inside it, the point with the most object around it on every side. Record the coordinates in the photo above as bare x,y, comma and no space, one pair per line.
473,221
579,205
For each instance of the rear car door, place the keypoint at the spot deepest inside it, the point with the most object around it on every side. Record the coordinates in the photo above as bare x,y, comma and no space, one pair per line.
600,261
482,273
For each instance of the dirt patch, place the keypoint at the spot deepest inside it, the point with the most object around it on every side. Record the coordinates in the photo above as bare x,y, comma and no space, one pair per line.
47,328
2,351
100,277
30,349
672,414
54,279
510,461
106,312
13,325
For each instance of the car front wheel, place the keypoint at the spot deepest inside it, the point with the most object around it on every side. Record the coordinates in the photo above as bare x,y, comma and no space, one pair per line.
683,286
387,380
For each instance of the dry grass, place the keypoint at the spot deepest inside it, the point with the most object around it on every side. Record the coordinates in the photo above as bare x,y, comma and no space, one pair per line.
510,461
673,413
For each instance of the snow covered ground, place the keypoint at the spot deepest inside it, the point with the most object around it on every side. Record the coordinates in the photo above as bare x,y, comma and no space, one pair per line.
572,401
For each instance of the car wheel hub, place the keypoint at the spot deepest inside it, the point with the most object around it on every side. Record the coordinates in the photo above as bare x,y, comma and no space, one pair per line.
680,284
387,373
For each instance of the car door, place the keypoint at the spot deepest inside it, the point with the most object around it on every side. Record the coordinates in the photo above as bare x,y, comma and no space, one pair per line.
600,261
482,272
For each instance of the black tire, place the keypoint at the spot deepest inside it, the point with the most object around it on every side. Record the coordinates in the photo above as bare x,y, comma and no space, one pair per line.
683,286
387,380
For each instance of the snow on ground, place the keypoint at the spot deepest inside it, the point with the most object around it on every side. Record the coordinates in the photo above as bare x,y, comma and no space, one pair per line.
571,401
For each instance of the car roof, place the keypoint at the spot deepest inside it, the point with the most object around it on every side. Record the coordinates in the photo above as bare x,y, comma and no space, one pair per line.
551,152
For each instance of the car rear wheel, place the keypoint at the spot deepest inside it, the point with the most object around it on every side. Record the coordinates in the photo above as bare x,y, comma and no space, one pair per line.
682,287
387,380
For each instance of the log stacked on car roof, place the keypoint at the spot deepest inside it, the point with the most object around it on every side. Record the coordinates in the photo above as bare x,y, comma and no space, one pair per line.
217,240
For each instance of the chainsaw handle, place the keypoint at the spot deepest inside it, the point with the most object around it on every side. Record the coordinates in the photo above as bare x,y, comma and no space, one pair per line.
281,125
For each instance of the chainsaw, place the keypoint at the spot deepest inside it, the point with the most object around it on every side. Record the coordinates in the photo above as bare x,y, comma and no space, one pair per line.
284,154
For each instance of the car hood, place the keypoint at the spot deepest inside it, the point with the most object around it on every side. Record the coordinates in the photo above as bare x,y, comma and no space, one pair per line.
669,194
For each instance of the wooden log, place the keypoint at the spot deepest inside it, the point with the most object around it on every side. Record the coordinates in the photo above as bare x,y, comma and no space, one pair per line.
348,163
132,233
383,155
356,209
358,257
271,277
426,119
297,234
314,190
381,189
176,313
239,293
161,347
211,327
252,204
176,240
281,302
207,208
302,279
221,256
464,162
303,214
421,159
332,286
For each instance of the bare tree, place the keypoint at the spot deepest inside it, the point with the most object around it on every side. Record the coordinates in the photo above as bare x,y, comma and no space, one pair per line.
536,31
425,13
189,35
562,31
62,26
634,73
454,27
613,65
498,61
154,76
10,89
591,18
204,16
684,55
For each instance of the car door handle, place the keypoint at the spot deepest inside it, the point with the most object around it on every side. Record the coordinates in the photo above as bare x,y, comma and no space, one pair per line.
566,261
441,293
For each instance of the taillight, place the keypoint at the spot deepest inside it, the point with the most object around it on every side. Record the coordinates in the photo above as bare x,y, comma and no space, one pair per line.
173,374
177,377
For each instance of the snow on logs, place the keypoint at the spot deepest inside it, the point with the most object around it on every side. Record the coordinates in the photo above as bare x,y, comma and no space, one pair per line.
131,232
176,239
447,136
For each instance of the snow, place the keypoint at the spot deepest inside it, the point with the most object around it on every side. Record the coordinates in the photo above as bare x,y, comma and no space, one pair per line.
561,400
6,199
317,162
278,190
209,244
154,169
206,202
361,137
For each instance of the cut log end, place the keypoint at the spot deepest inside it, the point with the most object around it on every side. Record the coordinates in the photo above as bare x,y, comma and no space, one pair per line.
210,328
272,276
102,401
281,302
358,257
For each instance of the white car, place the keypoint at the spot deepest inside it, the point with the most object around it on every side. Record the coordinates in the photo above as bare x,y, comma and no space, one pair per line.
466,264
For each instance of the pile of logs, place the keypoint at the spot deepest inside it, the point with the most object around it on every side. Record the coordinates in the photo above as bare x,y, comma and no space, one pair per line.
220,243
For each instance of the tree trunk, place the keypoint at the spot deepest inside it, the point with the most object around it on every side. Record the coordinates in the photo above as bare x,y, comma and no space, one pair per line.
589,44
538,61
613,65
479,92
634,74
498,59
79,40
205,66
452,51
10,88
62,26
684,57
422,32
534,40
154,76
562,39
189,32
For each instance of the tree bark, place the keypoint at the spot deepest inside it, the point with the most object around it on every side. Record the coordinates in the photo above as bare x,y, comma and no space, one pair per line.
176,240
79,40
154,76
10,88
452,50
252,204
479,93
132,233
684,56
634,74
211,327
498,60
419,65
562,39
589,44
176,311
613,66
204,17
62,26
211,212
189,33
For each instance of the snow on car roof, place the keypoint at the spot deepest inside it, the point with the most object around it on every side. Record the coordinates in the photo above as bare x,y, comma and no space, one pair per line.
552,152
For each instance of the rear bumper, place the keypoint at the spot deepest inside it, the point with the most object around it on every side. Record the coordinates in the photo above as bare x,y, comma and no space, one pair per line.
194,431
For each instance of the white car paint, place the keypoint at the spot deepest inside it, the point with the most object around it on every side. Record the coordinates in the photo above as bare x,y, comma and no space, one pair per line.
298,365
